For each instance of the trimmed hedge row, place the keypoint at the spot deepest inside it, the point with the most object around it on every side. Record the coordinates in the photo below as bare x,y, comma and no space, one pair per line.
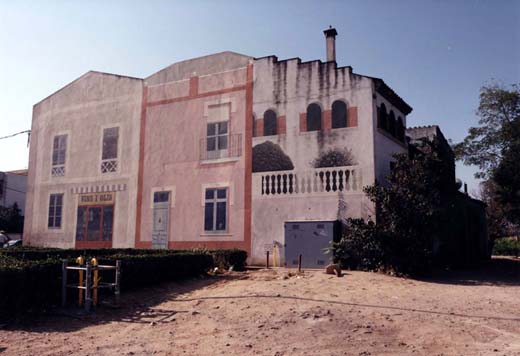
230,258
35,253
35,285
146,270
28,283
27,286
222,258
507,246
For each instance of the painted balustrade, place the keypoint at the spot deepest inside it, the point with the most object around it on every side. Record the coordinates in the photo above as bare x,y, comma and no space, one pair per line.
315,181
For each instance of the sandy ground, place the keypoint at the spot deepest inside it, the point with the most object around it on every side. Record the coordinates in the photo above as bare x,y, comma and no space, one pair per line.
277,312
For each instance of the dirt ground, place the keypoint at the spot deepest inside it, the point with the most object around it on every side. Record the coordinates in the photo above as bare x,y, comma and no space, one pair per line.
277,312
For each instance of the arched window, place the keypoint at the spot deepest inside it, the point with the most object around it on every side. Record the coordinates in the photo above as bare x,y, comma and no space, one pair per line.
313,117
383,120
392,123
400,129
339,114
270,123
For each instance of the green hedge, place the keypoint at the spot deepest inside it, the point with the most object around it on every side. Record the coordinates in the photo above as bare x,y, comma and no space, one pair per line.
28,285
30,278
222,258
230,258
37,253
35,285
507,246
148,269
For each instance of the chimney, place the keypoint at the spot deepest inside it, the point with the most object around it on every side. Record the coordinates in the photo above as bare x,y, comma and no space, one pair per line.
330,38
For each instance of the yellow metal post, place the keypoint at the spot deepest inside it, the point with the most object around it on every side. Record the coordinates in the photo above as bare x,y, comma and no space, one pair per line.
95,281
80,261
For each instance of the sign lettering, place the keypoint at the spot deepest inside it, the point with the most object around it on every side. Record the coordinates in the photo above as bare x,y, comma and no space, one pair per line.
97,199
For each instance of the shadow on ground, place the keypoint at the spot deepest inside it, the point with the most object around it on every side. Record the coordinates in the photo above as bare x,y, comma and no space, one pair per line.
140,306
499,271
137,306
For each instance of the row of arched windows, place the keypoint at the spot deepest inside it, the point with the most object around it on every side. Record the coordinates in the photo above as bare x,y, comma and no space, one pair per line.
313,119
387,122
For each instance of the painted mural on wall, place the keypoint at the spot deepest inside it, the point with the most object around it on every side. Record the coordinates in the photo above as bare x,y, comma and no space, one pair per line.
268,157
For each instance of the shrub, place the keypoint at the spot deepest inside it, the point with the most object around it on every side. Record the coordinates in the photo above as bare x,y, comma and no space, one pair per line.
507,246
226,258
27,285
150,269
268,157
11,219
412,211
333,157
361,246
37,253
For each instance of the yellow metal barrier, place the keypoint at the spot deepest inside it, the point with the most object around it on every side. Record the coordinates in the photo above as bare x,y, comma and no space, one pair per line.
80,261
96,280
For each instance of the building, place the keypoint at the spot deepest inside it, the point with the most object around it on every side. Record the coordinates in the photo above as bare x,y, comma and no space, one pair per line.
464,239
13,185
317,107
167,161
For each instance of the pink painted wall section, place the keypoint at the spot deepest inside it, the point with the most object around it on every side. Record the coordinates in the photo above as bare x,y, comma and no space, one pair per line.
169,90
208,83
174,135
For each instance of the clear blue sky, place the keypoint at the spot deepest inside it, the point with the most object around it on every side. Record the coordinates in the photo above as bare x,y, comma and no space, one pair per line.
434,54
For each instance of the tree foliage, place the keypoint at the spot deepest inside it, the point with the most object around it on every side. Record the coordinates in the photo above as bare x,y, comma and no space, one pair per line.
11,219
498,224
362,247
506,179
410,208
269,157
499,120
333,157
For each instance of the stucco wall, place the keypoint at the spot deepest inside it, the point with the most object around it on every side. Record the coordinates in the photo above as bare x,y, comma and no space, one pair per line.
385,144
172,161
288,87
81,110
211,64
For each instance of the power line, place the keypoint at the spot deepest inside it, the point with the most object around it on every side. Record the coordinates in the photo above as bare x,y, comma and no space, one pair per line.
14,190
16,134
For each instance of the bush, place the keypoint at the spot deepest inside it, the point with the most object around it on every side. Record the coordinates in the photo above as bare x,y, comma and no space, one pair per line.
11,219
361,247
269,157
150,269
30,277
37,253
226,258
507,246
333,158
27,285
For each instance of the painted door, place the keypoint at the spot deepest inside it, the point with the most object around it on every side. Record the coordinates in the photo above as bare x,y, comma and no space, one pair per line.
161,214
309,239
94,226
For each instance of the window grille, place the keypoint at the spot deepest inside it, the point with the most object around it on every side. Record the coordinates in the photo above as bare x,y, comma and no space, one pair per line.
109,162
59,150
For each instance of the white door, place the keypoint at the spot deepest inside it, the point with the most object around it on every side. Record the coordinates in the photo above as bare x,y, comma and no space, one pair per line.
161,214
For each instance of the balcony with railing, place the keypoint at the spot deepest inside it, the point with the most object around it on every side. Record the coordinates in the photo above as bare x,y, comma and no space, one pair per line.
317,181
218,148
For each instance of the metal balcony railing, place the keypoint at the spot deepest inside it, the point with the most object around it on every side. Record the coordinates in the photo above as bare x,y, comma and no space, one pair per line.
226,146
